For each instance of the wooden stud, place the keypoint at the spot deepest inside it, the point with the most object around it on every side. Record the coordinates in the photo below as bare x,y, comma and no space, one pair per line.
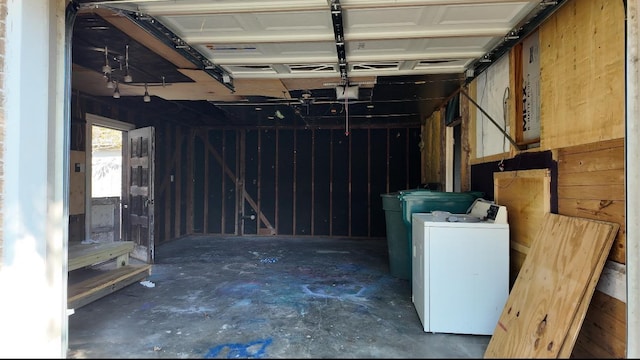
205,215
178,181
189,179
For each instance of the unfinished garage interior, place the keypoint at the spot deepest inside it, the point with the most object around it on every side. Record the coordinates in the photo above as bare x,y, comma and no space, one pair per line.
252,143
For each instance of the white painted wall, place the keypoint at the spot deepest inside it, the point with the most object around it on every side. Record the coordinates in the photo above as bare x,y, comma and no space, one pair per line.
492,86
33,320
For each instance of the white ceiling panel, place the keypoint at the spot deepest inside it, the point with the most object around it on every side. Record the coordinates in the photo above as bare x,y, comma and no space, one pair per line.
296,38
252,27
504,15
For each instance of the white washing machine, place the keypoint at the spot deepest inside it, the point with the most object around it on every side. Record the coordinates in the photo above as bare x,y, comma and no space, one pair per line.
460,268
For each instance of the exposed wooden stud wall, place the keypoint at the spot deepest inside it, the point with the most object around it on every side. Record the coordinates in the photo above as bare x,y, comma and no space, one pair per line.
349,185
166,189
177,146
351,155
189,179
294,191
369,183
313,177
223,186
259,200
240,179
387,158
331,187
205,215
276,181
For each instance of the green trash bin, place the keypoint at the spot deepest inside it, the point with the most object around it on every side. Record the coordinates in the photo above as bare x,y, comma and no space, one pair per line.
396,235
423,201
399,250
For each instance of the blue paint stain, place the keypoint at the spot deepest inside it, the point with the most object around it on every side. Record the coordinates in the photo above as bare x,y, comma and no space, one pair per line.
272,260
253,350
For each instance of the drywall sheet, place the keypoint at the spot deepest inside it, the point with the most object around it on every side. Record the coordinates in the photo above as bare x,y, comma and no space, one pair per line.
493,90
548,302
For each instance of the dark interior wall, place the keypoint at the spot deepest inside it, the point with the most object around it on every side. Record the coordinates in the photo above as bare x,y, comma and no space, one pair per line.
282,181
296,181
482,174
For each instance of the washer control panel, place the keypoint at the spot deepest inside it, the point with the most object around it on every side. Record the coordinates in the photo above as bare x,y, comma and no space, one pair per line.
489,211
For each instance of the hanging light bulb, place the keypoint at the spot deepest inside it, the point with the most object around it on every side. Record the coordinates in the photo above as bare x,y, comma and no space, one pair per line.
110,82
116,92
127,78
146,96
106,69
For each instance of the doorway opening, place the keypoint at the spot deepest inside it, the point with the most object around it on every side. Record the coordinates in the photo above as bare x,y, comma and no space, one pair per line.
106,138
106,184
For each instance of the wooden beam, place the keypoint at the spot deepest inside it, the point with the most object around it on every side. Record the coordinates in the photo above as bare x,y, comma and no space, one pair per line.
231,175
178,181
190,179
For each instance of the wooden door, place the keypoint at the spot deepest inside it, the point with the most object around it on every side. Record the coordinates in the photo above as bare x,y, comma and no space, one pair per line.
140,207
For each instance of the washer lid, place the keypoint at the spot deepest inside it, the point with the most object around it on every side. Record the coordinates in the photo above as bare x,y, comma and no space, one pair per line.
463,218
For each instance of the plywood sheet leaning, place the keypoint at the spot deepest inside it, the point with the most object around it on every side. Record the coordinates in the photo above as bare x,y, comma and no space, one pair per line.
550,296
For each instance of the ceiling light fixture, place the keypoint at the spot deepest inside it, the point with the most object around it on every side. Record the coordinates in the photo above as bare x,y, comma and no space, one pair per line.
127,78
116,92
106,69
347,92
146,96
109,82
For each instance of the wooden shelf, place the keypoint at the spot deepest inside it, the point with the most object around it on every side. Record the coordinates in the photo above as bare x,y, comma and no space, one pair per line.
81,255
97,270
103,283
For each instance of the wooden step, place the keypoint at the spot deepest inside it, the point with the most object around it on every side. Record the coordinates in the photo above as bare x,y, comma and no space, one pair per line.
81,255
103,282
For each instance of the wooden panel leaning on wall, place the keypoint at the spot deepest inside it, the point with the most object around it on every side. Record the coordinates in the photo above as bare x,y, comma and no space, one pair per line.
591,185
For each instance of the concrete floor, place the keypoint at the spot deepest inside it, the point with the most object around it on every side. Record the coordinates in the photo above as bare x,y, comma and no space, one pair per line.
264,297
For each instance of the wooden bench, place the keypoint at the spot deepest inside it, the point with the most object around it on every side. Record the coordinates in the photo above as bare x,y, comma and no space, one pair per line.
92,274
